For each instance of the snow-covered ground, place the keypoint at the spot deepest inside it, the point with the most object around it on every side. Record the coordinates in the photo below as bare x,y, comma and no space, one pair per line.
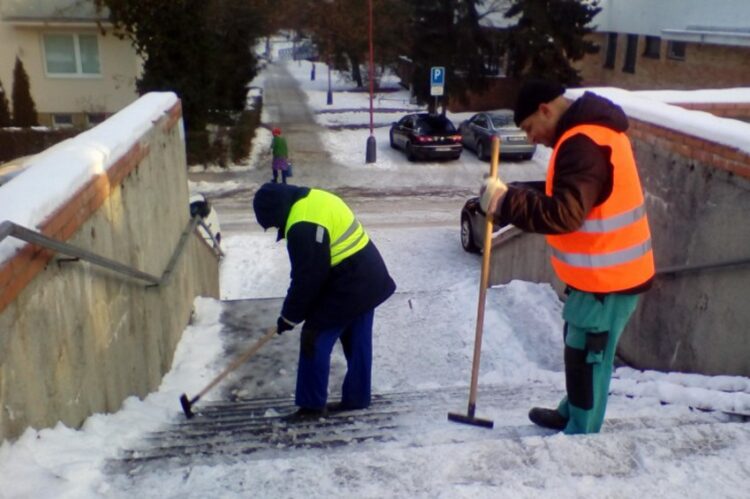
423,341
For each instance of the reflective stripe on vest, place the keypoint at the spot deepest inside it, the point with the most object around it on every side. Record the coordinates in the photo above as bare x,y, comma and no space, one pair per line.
345,234
611,251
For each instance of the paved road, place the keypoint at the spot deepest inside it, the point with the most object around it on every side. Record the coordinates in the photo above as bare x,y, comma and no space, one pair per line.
421,195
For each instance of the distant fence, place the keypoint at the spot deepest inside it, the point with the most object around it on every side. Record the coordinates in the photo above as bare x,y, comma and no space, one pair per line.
19,142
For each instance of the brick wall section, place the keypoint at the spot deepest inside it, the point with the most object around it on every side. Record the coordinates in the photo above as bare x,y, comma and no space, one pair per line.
20,269
709,153
704,66
737,110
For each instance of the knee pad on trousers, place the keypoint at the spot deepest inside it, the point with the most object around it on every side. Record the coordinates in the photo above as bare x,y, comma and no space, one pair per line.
579,369
579,377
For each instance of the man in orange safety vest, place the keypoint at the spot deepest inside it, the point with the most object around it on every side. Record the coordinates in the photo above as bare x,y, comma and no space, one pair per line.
591,209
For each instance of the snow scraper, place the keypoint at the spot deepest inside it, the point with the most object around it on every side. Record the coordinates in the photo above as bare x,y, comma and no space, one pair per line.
469,417
187,404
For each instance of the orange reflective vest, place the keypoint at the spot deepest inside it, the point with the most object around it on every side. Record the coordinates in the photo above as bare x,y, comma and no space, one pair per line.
611,251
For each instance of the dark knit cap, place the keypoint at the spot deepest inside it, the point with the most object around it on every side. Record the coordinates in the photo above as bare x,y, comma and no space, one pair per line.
273,202
533,93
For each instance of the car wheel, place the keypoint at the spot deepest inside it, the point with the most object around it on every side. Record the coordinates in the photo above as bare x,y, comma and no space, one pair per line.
410,152
467,239
393,144
480,150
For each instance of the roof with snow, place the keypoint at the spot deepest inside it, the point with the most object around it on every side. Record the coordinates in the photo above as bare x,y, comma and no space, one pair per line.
721,22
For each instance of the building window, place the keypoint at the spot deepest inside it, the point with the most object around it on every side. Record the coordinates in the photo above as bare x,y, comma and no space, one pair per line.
653,47
630,52
71,55
62,120
609,61
676,50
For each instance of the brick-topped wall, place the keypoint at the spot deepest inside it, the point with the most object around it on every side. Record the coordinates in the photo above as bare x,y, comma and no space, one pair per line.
708,153
17,272
77,339
736,110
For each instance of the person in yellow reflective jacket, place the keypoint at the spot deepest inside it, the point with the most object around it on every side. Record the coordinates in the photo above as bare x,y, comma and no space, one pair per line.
337,279
591,209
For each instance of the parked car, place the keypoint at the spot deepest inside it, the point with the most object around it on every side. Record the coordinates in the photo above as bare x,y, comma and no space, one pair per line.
199,205
472,226
477,133
423,135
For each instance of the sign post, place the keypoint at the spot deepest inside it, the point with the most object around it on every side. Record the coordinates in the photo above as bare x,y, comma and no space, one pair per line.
437,82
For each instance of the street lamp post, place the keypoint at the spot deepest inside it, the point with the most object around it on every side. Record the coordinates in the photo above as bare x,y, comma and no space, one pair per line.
370,154
329,96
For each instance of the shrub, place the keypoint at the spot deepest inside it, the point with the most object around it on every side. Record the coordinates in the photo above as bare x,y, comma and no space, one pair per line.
24,109
243,132
4,109
16,142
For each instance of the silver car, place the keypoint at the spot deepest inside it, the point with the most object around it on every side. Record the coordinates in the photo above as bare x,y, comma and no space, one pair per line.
477,133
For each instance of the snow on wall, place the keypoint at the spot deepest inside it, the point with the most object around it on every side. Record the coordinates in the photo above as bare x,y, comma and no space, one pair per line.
653,107
52,176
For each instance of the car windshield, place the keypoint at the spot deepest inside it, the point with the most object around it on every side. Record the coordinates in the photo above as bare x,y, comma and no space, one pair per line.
503,121
435,125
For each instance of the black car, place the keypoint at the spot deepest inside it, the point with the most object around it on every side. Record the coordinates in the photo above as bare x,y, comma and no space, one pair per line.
477,133
472,226
423,135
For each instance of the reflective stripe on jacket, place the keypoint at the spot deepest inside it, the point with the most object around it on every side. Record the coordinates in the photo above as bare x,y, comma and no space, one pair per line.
611,251
345,233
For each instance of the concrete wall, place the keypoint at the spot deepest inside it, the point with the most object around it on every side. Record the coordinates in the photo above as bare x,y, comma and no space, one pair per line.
76,339
521,255
698,198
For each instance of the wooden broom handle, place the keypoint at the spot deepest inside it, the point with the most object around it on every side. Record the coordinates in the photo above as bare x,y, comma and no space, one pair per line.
483,284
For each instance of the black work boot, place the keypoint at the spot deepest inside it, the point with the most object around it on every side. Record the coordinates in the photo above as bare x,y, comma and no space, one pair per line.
341,407
305,414
548,418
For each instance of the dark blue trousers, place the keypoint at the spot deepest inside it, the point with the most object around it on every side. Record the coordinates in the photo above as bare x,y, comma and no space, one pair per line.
315,362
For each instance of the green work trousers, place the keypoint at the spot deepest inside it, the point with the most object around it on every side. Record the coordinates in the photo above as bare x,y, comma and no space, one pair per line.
593,326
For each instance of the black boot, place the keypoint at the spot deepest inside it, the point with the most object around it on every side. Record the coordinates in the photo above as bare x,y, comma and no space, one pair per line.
548,418
340,407
305,414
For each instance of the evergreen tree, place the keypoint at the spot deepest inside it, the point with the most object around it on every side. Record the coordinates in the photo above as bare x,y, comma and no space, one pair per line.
24,109
4,109
234,27
447,33
200,49
549,36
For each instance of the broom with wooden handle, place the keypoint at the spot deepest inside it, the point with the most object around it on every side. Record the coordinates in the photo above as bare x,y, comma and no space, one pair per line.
187,404
469,417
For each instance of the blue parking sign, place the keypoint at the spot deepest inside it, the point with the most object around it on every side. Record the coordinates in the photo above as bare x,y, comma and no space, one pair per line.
437,80
437,75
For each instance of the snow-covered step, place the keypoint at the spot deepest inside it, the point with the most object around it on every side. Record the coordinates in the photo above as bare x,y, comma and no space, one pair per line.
234,431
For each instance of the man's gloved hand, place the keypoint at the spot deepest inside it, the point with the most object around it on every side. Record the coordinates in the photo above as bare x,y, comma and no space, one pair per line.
282,325
491,193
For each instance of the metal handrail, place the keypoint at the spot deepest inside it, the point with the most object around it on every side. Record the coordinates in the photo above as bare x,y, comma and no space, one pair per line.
682,269
502,236
10,229
214,242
